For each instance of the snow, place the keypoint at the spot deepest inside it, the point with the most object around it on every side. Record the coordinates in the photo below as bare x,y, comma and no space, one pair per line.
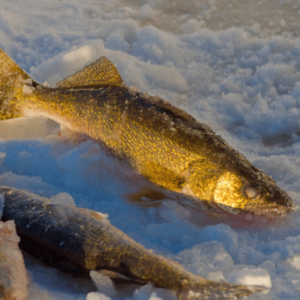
63,199
149,292
247,276
96,296
233,65
104,284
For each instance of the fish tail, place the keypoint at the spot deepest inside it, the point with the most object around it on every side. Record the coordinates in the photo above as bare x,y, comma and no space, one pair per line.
14,82
216,290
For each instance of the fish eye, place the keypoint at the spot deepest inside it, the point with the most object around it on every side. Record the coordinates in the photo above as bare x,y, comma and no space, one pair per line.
252,193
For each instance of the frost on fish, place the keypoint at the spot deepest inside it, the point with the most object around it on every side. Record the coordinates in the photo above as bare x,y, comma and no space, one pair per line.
13,277
78,240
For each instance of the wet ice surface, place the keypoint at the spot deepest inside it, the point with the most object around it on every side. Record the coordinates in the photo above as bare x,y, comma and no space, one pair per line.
243,81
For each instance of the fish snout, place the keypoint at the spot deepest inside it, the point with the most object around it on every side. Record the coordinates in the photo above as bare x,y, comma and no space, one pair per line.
277,204
281,204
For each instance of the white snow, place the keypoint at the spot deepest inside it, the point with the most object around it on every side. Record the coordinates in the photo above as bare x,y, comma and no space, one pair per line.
149,292
96,296
233,65
247,276
63,199
104,284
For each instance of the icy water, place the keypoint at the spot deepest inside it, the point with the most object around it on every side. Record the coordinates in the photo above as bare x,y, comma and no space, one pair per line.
234,65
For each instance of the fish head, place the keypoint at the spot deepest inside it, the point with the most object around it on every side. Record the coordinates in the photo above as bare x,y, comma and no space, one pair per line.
238,188
252,193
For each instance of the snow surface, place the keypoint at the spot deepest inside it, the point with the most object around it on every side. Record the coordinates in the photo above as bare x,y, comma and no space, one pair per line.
232,64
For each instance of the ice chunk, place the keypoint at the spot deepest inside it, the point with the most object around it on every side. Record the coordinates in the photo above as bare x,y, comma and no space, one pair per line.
247,276
104,284
27,128
163,294
97,296
221,233
148,292
295,261
190,26
63,199
172,211
144,292
206,258
216,276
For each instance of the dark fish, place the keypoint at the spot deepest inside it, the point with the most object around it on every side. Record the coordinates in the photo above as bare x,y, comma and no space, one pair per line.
182,158
78,240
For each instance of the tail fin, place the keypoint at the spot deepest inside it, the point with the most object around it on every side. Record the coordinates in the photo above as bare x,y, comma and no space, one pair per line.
12,79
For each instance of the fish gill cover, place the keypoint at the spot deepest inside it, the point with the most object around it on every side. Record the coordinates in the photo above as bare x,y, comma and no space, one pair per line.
242,81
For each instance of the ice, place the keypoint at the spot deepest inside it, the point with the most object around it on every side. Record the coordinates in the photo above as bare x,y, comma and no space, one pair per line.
221,233
247,276
103,283
216,276
206,258
149,292
63,199
96,296
233,65
295,261
171,211
27,128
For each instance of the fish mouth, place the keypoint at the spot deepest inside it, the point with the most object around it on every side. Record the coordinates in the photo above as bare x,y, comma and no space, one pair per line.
270,213
277,211
277,206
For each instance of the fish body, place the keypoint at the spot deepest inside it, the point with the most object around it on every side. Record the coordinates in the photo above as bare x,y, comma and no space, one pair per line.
13,276
182,158
78,240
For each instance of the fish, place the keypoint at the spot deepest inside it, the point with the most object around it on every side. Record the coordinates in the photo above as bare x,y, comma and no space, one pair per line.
78,240
175,154
13,275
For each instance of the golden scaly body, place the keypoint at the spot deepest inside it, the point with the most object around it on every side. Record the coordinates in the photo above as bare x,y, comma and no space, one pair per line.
180,156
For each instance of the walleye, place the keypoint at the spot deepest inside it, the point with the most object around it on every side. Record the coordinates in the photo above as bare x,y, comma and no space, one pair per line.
181,158
78,240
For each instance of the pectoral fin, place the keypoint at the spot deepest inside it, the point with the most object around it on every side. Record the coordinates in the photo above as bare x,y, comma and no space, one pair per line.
203,176
100,73
162,176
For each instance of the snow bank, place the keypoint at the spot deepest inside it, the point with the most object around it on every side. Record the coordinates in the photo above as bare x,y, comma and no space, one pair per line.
243,81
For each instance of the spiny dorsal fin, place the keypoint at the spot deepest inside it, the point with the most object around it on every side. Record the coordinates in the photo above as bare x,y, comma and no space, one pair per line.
100,73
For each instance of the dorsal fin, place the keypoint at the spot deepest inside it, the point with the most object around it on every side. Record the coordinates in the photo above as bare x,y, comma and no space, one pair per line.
100,73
